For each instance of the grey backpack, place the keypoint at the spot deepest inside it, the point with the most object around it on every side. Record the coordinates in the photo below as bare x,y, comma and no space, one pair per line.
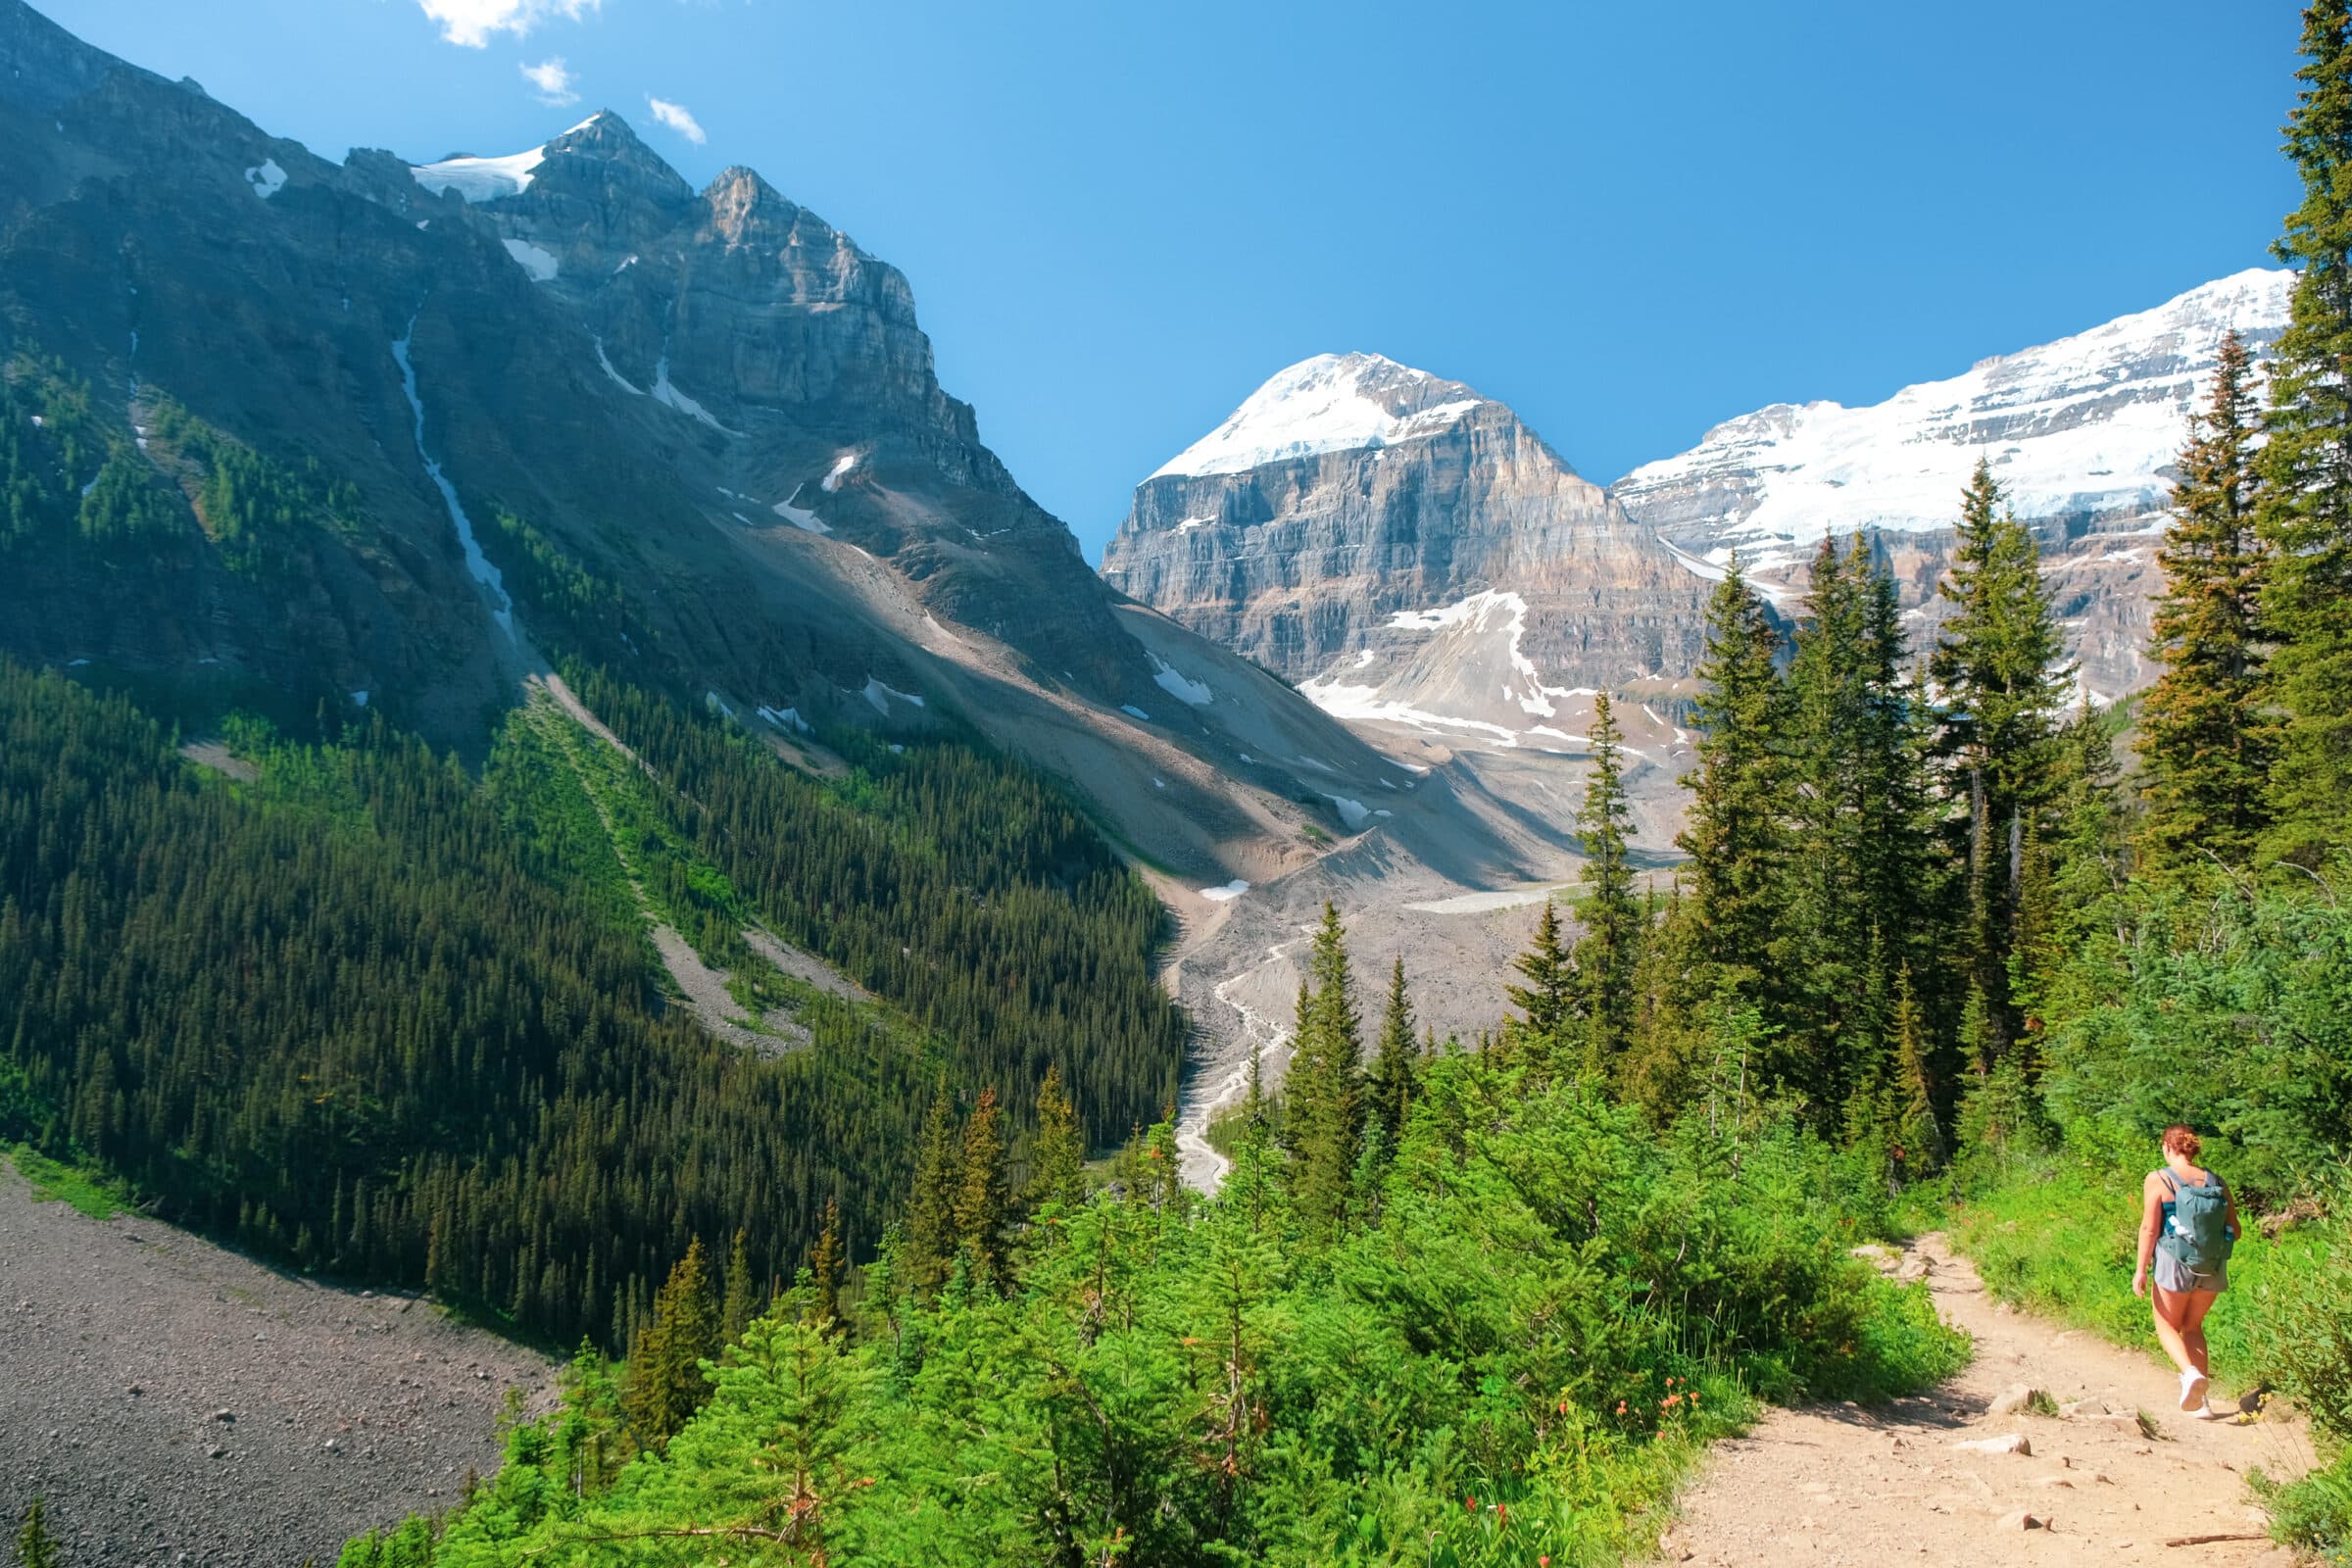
2197,1235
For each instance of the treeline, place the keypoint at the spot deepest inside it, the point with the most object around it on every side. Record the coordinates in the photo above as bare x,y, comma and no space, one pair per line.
349,1018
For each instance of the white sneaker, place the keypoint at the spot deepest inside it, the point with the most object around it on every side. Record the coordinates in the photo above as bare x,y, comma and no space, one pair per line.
2192,1390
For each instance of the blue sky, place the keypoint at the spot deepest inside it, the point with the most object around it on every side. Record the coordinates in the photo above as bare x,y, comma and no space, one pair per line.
1627,221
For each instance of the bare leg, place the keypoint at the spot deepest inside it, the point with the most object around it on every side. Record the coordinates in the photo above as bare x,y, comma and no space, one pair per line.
2194,1305
2170,1306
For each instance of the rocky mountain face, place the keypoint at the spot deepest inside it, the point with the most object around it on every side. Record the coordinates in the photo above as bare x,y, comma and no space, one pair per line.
1411,551
565,404
2081,433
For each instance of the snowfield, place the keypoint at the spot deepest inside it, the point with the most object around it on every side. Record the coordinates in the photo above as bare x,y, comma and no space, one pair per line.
481,179
1326,403
2089,424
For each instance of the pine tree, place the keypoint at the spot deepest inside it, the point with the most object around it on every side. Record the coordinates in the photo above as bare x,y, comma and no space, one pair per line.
1548,998
1058,1155
931,1229
980,1207
1323,1094
2306,513
1998,674
1735,825
828,1261
2205,740
1395,1067
1611,946
741,1298
666,1384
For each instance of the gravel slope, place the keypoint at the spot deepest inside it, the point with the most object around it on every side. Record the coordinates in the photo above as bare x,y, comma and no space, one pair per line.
123,1340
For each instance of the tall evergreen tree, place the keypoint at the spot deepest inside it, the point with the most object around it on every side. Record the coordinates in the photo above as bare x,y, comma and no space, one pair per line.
1735,824
828,1261
1918,1135
1396,1064
741,1303
931,1227
1611,946
2205,740
1859,877
1324,1099
1058,1157
981,1209
666,1384
1999,676
1548,998
2306,512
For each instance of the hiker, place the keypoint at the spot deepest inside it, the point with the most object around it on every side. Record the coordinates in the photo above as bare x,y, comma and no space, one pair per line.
2187,1224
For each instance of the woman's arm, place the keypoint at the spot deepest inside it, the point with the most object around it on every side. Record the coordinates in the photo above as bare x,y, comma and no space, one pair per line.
2151,1219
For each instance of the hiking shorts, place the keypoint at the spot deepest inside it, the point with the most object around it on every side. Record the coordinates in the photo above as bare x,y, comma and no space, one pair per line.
2177,1277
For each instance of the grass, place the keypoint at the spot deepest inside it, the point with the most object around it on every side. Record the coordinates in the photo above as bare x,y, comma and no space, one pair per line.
53,1183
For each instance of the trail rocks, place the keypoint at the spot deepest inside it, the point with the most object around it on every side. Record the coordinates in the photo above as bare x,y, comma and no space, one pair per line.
2014,1443
2023,1520
2016,1397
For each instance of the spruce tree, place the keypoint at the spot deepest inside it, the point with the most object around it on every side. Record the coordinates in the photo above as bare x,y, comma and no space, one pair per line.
1736,820
1395,1067
828,1261
1611,946
931,1229
2205,742
2000,678
1918,1135
2306,512
666,1385
741,1298
1057,1154
1324,1090
1548,998
981,1210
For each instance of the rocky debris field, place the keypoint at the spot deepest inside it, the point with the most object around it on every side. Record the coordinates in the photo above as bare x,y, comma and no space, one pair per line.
178,1403
2037,1454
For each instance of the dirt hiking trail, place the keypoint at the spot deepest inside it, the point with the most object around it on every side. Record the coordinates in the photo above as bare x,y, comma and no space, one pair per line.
1891,1486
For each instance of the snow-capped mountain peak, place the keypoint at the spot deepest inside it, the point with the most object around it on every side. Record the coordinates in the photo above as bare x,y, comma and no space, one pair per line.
482,179
2082,426
1331,403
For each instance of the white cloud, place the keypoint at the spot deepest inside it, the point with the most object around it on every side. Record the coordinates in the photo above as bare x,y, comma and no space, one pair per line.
554,81
470,23
675,117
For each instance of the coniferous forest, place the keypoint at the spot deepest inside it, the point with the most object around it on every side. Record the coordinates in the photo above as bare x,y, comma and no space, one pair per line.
914,1277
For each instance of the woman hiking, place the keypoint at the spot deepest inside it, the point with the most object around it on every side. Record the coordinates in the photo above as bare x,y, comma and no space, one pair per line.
2188,1225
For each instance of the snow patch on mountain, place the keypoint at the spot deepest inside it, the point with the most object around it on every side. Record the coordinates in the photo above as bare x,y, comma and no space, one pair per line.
799,517
481,179
535,260
1173,681
266,178
1331,403
618,379
666,391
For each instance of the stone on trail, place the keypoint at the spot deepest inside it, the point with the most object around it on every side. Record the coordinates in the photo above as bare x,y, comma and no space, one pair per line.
1912,1269
2013,1398
2014,1443
2022,1520
2076,1409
